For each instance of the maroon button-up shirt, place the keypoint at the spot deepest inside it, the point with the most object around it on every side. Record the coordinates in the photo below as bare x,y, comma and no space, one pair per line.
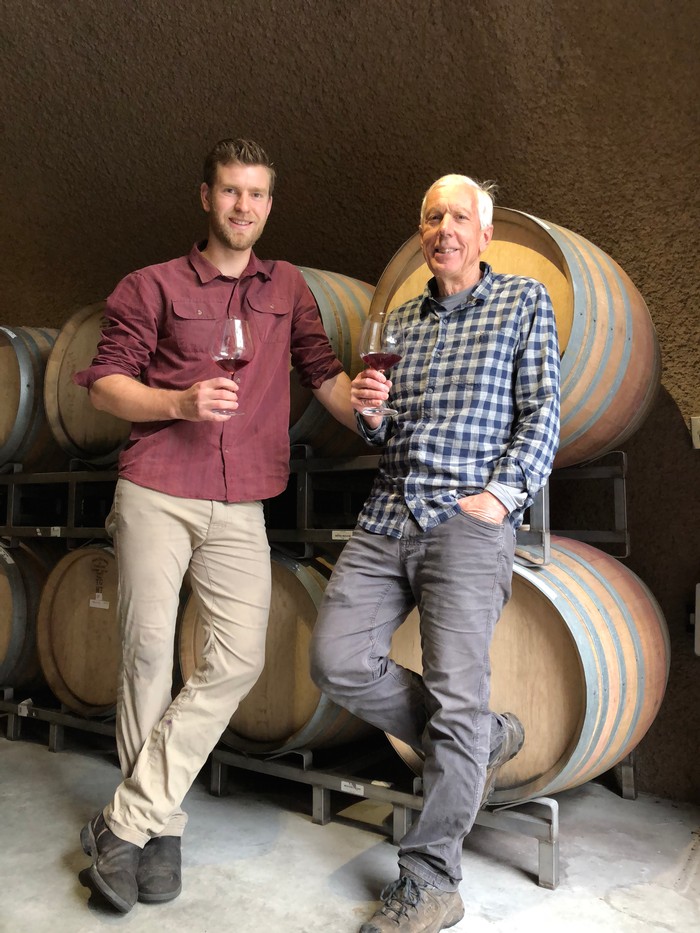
159,324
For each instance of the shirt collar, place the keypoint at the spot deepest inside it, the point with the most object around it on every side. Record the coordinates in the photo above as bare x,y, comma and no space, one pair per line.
208,272
479,294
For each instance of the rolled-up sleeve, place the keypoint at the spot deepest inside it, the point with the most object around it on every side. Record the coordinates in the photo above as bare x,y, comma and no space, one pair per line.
129,334
376,437
530,455
312,354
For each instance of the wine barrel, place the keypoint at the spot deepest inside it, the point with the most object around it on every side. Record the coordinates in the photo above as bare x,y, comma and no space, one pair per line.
23,572
80,430
284,710
610,359
343,303
581,655
25,436
78,638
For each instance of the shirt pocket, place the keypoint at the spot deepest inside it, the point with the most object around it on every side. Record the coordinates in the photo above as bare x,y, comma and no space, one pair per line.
272,318
474,373
194,321
486,364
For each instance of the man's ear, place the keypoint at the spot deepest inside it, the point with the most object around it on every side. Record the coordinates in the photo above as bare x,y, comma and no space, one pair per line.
486,236
204,195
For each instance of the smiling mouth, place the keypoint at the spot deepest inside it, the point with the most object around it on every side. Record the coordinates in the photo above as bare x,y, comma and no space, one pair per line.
237,222
445,250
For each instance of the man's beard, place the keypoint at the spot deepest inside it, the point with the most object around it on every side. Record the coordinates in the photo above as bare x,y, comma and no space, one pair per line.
241,240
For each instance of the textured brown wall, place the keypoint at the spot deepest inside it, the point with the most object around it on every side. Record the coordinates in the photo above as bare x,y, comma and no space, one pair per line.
585,113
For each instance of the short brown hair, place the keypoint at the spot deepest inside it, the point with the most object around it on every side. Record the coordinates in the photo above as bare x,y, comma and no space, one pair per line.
243,151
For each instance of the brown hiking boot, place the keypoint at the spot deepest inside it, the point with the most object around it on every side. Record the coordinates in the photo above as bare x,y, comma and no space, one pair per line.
114,864
159,875
412,906
512,742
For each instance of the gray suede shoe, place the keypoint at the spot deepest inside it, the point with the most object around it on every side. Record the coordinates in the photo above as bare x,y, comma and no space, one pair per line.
159,875
114,864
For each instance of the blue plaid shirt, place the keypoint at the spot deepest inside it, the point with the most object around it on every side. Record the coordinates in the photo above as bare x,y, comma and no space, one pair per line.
478,395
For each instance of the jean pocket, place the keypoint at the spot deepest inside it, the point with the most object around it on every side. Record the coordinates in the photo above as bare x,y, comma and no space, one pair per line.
482,522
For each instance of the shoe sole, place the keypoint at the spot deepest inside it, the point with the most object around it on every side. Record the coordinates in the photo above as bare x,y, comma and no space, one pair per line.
492,772
453,918
449,921
91,878
488,789
159,898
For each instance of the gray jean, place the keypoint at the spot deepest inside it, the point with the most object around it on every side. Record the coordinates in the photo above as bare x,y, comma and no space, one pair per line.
459,575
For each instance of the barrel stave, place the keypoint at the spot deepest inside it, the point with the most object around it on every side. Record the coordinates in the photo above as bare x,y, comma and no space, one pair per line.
25,436
581,656
78,637
284,710
79,428
343,304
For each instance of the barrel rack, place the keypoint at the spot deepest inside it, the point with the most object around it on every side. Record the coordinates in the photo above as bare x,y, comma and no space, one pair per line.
70,505
537,818
316,512
58,719
318,508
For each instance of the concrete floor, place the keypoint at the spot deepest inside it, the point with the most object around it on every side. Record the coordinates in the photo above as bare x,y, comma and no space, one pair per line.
253,860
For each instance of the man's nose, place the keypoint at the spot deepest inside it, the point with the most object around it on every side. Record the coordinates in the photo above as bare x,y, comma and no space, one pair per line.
242,201
445,227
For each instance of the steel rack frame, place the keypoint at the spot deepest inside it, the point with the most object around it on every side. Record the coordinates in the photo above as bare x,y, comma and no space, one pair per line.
59,720
317,510
307,530
71,504
537,818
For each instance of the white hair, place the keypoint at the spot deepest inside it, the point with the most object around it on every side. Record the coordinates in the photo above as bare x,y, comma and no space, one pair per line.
485,192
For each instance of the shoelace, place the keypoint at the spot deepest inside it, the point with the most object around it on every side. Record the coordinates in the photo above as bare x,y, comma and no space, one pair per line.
398,896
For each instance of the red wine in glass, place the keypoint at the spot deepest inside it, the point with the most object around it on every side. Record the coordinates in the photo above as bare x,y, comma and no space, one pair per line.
380,361
380,349
230,365
232,348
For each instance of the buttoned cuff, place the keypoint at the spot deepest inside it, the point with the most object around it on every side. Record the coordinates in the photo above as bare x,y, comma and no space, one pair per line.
374,436
511,497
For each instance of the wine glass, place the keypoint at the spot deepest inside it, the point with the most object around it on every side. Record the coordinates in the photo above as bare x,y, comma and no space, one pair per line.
380,349
232,348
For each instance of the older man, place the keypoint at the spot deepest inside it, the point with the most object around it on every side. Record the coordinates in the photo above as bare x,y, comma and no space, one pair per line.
477,394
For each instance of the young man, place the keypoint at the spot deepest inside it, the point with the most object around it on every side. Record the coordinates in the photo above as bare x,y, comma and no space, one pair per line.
477,394
191,480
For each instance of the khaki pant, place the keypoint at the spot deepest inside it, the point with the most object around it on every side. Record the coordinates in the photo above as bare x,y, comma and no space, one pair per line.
164,743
